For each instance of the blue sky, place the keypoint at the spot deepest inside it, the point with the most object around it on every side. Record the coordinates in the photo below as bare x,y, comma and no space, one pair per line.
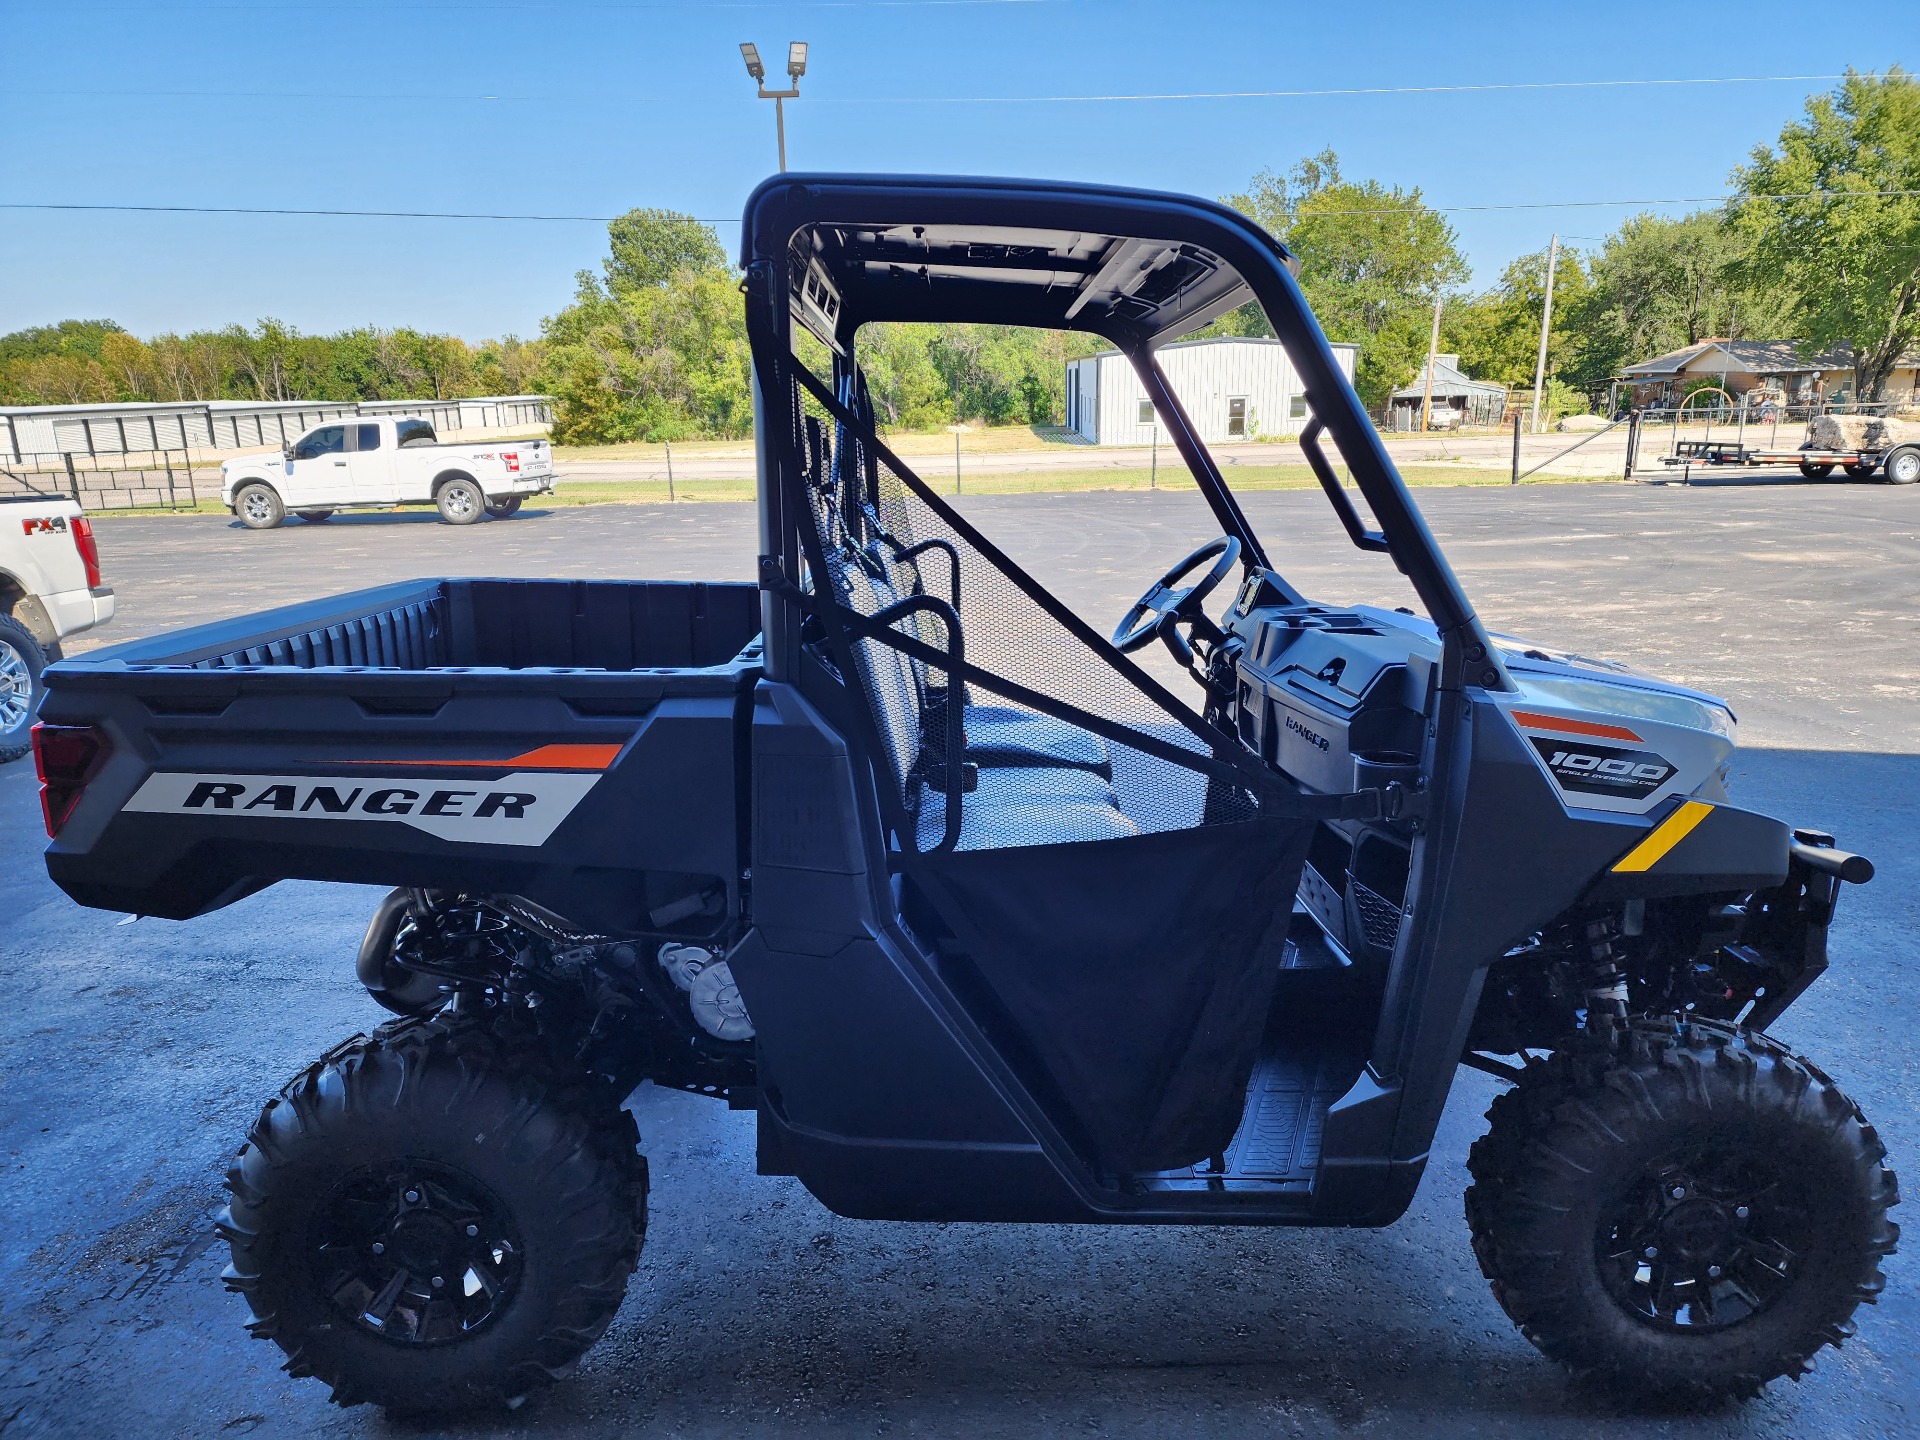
600,105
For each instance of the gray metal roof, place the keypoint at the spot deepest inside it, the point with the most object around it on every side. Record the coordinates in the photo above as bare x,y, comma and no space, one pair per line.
1448,379
1756,357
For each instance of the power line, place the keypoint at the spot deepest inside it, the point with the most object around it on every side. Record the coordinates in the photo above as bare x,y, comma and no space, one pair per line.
628,97
733,220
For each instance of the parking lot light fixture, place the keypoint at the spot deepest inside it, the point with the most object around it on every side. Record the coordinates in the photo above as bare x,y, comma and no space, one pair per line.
796,67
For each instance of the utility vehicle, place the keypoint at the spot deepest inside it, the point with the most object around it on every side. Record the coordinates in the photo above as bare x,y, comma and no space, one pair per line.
979,919
395,460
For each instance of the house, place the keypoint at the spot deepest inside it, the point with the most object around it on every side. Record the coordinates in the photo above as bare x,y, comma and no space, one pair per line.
1738,366
1458,399
1236,388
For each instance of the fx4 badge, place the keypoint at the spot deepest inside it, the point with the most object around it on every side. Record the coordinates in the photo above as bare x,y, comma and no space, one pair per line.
1601,770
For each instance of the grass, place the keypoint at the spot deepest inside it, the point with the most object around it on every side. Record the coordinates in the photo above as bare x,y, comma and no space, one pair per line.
572,493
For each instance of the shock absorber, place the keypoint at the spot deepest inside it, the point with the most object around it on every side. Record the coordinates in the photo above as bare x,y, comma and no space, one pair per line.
1603,978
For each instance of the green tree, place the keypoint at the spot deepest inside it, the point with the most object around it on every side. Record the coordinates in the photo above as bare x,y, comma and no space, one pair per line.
1822,233
647,246
1497,333
1659,285
1372,259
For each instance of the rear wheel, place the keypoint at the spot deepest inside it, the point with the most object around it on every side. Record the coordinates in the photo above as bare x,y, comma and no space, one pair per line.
1903,465
461,500
1815,472
430,1220
315,517
1692,1218
1862,470
505,507
21,661
258,507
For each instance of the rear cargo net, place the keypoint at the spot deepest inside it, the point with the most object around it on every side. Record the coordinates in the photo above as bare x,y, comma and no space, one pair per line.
1059,742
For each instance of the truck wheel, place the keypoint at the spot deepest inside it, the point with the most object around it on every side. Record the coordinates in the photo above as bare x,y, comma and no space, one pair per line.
21,661
315,517
1903,465
1813,471
259,507
461,500
1691,1219
504,508
430,1220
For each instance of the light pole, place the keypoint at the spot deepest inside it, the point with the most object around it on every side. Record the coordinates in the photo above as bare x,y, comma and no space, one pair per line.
796,67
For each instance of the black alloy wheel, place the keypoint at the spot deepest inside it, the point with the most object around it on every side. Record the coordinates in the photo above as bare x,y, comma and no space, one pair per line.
415,1252
1705,1240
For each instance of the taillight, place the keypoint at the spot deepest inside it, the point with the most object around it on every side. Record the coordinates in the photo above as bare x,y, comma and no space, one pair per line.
67,757
82,530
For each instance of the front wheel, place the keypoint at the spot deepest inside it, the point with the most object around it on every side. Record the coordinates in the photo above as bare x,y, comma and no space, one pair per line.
461,500
428,1220
1690,1220
21,661
505,507
259,507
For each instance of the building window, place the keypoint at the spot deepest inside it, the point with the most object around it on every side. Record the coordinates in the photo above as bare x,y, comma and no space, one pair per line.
1297,408
1237,417
1146,412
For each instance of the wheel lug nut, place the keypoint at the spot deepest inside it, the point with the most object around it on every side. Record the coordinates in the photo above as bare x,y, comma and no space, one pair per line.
1742,1212
378,1248
1713,1272
413,1197
1679,1192
473,1230
1651,1252
438,1281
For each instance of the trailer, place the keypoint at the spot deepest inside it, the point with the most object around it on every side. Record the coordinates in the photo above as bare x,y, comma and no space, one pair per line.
1900,464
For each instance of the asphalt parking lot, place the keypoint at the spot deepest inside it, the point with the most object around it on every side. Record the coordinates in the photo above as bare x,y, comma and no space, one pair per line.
132,1056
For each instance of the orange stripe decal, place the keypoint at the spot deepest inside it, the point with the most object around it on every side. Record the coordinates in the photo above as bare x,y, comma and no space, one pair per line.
1565,726
546,757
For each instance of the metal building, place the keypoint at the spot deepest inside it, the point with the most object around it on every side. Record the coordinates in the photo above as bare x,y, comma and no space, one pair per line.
1458,399
1237,388
213,427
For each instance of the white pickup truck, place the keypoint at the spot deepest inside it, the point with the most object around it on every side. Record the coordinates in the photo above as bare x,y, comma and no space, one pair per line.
49,589
348,463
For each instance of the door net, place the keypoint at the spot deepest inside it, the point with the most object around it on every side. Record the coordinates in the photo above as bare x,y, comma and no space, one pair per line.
1000,719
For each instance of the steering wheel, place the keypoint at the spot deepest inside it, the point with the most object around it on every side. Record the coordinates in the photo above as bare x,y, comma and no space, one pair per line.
1168,600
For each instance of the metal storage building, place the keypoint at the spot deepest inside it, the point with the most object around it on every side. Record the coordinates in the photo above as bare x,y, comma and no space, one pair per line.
217,426
1473,402
1236,388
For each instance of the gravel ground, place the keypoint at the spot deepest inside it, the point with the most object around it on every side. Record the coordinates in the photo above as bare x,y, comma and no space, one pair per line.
132,1056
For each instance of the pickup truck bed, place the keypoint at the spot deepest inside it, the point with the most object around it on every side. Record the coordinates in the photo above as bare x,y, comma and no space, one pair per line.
434,733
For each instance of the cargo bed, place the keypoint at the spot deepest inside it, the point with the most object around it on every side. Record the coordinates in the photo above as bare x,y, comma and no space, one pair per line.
469,733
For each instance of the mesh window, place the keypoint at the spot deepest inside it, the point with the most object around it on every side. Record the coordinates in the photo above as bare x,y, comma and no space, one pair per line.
1041,779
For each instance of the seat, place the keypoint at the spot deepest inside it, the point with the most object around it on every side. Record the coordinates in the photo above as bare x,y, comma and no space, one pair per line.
1027,805
998,736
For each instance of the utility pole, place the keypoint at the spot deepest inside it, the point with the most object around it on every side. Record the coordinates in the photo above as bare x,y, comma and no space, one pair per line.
1433,351
1546,324
796,67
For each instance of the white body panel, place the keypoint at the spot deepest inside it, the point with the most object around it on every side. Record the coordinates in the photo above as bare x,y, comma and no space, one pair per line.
1232,390
40,560
332,467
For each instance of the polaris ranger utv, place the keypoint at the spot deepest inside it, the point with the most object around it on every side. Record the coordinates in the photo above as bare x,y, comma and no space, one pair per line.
980,920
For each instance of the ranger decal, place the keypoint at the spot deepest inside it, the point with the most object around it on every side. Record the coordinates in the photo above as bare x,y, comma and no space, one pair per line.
521,808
